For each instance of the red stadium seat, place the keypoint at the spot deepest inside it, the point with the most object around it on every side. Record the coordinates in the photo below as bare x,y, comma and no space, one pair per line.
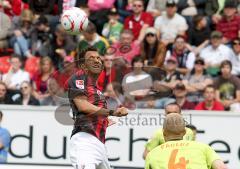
4,64
32,65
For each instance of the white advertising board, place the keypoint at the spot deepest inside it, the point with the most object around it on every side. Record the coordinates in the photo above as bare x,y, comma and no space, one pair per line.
38,138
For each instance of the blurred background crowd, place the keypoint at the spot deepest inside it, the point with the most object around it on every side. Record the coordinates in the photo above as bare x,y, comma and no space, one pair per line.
154,52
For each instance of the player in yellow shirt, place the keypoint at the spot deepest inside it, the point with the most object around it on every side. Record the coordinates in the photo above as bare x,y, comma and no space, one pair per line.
158,139
181,154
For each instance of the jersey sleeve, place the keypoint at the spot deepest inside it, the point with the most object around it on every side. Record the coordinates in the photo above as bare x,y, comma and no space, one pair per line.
77,86
156,140
211,156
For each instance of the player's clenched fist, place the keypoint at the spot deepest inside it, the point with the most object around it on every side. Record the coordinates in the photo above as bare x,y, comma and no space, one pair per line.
120,112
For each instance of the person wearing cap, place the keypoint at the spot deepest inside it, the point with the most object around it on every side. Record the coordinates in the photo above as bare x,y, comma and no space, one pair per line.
170,24
235,58
152,49
158,137
177,153
210,102
183,53
139,19
229,24
112,29
180,92
196,81
215,53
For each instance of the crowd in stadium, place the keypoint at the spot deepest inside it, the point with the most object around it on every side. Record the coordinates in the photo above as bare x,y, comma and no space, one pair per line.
154,51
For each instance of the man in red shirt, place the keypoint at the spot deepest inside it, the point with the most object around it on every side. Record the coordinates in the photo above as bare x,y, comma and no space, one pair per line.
90,113
139,19
229,25
209,103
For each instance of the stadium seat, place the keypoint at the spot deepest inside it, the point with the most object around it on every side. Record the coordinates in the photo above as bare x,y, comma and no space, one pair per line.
4,64
32,65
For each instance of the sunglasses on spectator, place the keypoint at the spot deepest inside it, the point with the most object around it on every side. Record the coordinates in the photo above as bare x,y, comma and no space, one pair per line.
108,59
150,34
24,87
236,43
137,5
199,63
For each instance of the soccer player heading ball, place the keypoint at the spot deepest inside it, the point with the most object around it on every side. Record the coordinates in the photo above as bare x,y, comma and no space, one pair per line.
87,149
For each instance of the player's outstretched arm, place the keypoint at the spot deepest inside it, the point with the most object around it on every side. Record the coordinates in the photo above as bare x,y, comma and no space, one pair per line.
84,106
218,164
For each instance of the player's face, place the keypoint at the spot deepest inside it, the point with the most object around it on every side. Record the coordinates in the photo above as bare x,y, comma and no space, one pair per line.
93,62
172,109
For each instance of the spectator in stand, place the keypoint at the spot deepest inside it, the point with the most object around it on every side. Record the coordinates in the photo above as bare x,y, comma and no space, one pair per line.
156,7
229,25
126,48
92,38
228,88
41,37
196,81
137,84
182,52
139,19
165,84
235,58
215,53
57,95
170,24
152,50
4,96
123,10
21,34
26,97
180,95
113,28
5,139
62,45
213,10
108,75
209,102
98,12
62,75
15,76
199,33
40,78
114,95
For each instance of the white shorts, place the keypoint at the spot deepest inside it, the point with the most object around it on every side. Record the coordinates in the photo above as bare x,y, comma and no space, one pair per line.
87,152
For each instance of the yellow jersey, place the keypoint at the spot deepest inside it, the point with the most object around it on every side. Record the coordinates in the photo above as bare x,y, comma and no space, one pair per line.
181,154
158,138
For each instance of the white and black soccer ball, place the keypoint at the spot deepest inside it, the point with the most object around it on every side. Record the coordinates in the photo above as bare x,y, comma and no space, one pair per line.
74,21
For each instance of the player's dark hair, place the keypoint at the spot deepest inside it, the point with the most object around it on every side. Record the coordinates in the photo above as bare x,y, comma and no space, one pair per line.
80,59
192,127
174,104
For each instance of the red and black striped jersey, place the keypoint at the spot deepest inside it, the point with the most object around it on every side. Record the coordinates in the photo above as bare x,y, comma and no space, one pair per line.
82,84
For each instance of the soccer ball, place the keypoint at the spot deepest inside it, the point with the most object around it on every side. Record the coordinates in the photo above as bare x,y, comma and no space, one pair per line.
74,21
